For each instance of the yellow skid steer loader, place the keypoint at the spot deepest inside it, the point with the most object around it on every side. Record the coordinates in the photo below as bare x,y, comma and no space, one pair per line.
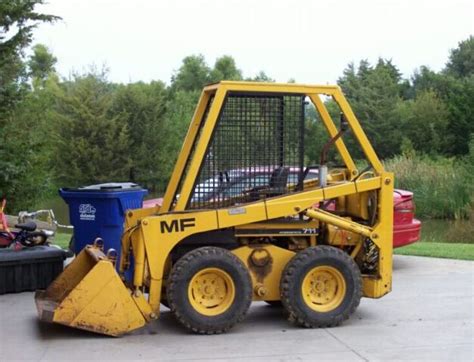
244,219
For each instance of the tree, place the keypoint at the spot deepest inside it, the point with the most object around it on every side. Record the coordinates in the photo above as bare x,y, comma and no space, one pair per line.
461,119
17,22
460,97
461,59
315,136
424,79
143,106
41,63
261,77
350,81
391,69
23,152
192,75
424,121
26,149
225,69
373,93
179,112
92,143
456,94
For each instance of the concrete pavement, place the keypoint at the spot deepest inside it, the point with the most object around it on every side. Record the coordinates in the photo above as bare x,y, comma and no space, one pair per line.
428,316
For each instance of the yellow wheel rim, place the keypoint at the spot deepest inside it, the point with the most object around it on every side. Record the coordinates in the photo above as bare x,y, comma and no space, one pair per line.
323,288
211,291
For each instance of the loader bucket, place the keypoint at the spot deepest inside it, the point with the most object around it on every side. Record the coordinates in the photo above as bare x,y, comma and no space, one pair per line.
90,295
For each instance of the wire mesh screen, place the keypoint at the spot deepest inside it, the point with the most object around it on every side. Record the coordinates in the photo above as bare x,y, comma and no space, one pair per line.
256,151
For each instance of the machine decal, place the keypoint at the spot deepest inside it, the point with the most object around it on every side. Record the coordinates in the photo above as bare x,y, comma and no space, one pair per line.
87,212
177,225
237,211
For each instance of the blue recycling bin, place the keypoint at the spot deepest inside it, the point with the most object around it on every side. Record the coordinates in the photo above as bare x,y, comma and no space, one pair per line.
99,211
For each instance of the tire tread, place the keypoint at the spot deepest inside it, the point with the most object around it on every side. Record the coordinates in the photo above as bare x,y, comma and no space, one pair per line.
296,264
181,265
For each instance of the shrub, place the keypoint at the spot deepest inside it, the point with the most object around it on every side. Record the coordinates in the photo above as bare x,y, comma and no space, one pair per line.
442,187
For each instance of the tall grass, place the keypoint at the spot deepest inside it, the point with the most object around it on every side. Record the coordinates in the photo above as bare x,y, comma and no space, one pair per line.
443,187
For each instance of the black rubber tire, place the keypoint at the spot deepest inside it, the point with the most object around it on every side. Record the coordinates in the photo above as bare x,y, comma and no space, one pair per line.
181,275
294,274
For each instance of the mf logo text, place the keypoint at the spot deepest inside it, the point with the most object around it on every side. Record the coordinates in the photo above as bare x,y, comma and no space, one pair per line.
177,225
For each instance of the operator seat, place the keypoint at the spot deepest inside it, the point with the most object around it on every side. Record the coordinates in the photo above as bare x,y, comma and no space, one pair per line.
278,181
276,185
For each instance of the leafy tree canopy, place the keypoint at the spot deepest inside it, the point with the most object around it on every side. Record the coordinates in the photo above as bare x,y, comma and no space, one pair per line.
192,75
225,69
42,62
461,59
93,145
261,77
17,21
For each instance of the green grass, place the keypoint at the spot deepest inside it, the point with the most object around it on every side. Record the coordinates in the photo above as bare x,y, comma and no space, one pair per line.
62,239
438,250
